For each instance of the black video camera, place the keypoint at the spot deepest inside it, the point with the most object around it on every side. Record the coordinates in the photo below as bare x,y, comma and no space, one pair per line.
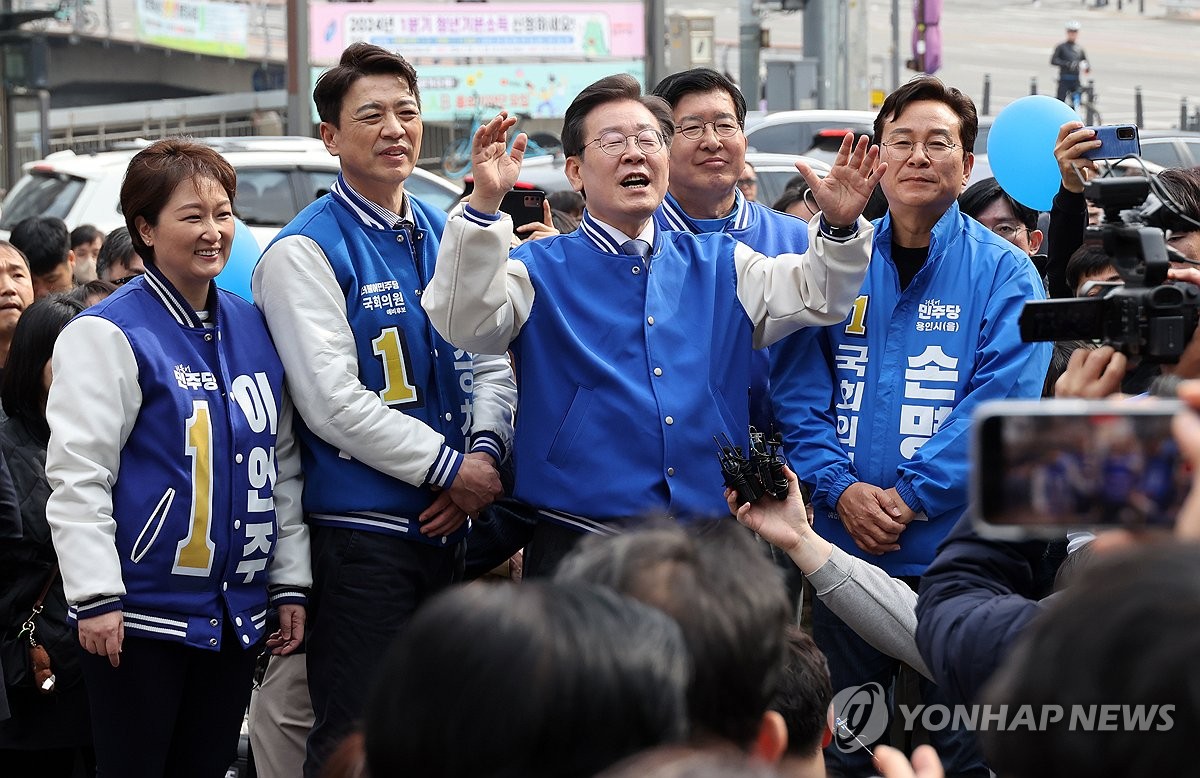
1147,316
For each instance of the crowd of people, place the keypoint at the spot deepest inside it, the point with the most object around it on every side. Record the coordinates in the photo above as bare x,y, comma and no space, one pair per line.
194,487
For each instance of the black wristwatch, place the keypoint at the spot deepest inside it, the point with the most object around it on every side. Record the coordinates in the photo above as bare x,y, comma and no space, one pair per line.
838,233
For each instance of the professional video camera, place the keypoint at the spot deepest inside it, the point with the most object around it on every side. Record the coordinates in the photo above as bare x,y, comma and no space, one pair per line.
1146,316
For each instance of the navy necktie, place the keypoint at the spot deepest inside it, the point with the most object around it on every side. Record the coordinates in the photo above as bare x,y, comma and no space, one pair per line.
635,248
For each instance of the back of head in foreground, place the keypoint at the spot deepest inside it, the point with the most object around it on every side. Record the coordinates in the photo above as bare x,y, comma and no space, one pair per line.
1125,634
729,600
541,679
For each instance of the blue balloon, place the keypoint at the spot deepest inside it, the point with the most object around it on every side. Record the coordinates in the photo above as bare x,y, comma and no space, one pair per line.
243,256
1020,149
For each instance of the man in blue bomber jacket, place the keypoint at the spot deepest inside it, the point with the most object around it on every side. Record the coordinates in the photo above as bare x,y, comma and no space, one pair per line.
876,410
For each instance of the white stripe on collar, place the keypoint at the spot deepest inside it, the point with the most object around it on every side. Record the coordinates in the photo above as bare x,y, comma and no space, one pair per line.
369,213
677,218
608,238
166,292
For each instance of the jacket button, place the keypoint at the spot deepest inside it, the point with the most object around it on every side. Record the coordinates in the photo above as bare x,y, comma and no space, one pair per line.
636,270
669,420
246,639
214,622
399,238
658,371
650,320
237,620
237,458
670,471
208,336
212,641
237,523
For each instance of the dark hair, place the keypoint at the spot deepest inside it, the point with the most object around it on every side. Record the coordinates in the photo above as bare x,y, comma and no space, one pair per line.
1086,261
980,195
44,240
1060,357
729,600
1125,633
931,88
611,89
84,233
97,287
359,60
1183,185
791,196
804,694
676,86
691,762
540,679
117,250
21,389
155,172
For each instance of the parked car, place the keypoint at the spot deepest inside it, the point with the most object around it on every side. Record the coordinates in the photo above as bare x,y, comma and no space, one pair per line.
1171,148
277,177
798,132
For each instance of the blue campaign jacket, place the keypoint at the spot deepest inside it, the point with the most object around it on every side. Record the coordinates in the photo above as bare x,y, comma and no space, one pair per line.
766,231
192,548
382,274
614,366
886,397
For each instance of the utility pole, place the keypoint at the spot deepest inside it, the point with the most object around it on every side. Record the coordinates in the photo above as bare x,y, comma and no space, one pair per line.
749,49
895,45
656,41
299,82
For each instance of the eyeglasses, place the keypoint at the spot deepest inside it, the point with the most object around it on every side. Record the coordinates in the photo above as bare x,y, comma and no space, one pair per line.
614,143
723,129
747,182
1009,231
935,150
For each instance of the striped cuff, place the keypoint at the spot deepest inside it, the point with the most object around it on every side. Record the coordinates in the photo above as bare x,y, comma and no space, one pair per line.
489,443
287,595
97,606
444,468
479,217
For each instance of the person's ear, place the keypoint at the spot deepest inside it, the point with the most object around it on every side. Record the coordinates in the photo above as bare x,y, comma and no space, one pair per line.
1035,241
771,742
827,738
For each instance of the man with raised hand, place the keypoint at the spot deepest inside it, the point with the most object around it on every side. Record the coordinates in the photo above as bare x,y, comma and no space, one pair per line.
632,343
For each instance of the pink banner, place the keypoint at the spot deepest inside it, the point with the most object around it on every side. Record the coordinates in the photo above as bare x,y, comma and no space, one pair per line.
591,31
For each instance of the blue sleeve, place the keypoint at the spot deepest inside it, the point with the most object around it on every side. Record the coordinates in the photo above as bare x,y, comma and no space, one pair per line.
975,600
802,394
935,479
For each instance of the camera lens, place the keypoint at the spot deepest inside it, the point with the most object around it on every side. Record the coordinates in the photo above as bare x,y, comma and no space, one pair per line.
1125,133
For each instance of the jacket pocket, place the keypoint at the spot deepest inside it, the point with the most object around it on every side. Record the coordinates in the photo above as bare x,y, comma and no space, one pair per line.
564,439
153,526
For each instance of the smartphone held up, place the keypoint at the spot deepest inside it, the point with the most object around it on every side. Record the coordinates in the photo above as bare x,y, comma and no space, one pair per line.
1042,467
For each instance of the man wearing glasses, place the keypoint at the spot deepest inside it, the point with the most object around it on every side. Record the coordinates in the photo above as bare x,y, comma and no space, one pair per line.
876,410
713,187
985,202
632,343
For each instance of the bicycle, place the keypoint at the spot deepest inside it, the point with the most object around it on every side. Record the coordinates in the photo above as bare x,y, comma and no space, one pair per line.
1085,108
456,159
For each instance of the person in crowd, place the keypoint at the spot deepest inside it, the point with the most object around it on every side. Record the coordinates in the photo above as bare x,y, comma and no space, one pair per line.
804,699
886,457
985,202
747,183
730,602
16,294
92,292
86,241
1071,61
542,679
401,433
1087,650
796,201
48,733
1183,186
117,262
603,346
46,244
175,508
566,209
1090,264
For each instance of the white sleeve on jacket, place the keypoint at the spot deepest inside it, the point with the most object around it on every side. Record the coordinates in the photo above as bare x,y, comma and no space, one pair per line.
493,401
881,609
94,402
296,290
478,298
291,565
817,288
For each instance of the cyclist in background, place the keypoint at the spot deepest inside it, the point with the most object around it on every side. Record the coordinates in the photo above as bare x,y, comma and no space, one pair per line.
1072,63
